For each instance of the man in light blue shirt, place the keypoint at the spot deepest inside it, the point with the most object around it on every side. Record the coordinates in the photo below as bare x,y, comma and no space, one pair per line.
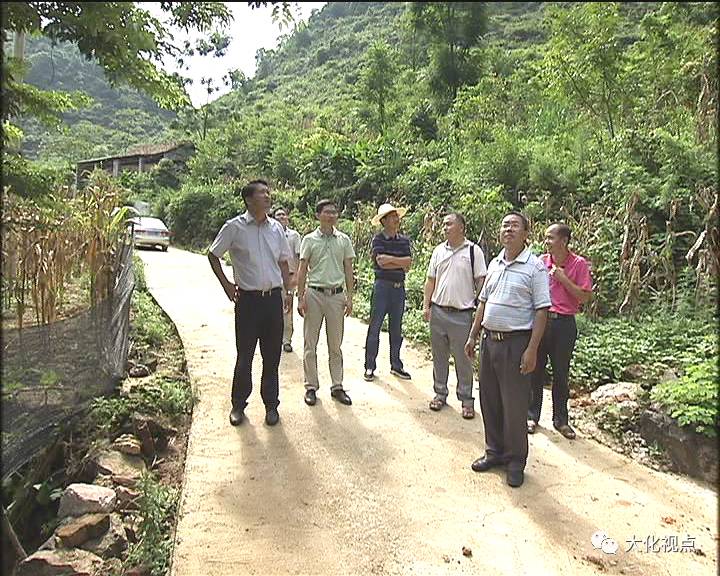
512,314
260,253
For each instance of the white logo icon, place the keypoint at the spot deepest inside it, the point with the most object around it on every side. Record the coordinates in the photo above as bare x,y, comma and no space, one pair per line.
601,541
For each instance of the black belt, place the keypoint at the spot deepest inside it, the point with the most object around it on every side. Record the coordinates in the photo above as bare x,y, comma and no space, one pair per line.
328,291
557,315
500,336
452,308
261,293
394,284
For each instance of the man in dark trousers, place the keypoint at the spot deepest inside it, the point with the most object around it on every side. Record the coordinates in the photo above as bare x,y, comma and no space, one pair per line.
570,286
512,314
392,259
259,253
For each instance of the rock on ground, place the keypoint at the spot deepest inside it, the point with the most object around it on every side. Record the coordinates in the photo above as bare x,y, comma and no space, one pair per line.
79,499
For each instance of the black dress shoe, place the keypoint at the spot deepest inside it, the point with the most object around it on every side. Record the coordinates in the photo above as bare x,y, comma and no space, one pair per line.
515,478
565,430
400,373
271,416
310,397
484,464
341,396
369,375
236,416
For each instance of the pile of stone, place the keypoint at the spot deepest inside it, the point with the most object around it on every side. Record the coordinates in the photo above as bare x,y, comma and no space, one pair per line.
98,521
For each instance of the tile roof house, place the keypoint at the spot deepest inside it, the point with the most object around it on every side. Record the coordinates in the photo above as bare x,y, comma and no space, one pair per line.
139,159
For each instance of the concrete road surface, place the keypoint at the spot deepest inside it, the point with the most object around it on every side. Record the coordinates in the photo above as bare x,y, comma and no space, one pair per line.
385,486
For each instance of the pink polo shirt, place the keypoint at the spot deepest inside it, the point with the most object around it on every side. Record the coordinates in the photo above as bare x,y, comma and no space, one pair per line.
578,270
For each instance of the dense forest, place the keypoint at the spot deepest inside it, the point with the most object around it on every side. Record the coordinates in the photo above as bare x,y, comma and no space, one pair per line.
603,115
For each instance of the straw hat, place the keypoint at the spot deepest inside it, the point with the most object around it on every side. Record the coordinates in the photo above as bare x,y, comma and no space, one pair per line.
384,210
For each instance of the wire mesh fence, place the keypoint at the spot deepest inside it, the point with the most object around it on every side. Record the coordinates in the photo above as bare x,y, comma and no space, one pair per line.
52,372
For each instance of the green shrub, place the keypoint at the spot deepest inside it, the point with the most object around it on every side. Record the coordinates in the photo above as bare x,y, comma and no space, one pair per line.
605,348
158,505
170,398
109,414
139,272
692,399
149,326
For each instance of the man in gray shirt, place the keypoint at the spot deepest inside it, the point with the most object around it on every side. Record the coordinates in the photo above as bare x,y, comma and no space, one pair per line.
512,314
260,254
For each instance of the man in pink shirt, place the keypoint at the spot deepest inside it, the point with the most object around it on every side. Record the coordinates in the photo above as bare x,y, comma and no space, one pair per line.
570,286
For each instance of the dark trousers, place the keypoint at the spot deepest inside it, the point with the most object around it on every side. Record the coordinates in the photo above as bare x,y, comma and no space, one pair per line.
504,394
558,343
386,300
257,318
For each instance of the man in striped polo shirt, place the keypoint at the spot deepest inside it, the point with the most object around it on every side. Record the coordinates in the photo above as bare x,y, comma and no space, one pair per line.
391,258
512,313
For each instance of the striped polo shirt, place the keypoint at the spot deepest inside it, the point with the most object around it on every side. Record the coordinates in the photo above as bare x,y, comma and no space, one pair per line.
513,291
399,246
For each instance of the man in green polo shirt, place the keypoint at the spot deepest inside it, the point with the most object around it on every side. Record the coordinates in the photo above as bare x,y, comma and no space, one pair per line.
324,291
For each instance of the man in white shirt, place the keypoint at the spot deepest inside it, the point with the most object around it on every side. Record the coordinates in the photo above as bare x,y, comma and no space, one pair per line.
293,238
455,276
260,254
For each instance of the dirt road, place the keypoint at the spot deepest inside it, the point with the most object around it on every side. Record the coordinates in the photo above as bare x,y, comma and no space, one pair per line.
385,486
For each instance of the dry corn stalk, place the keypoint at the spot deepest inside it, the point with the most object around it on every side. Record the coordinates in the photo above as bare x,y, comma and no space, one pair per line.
44,245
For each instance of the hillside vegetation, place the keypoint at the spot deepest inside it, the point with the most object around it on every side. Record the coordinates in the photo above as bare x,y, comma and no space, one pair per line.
603,115
114,119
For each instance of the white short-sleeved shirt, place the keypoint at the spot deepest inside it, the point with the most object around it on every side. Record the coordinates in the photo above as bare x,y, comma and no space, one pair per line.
293,238
514,291
451,268
256,250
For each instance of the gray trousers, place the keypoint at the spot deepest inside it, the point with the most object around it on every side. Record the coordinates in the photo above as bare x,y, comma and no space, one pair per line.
321,307
288,318
449,330
504,398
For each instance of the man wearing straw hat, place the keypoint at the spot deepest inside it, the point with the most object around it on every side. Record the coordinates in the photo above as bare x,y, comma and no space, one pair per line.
391,260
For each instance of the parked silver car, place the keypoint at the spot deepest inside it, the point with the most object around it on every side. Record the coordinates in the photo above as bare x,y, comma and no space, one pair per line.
148,231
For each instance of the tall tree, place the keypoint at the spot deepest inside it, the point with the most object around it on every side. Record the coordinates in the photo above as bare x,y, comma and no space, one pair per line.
453,29
377,80
585,60
127,41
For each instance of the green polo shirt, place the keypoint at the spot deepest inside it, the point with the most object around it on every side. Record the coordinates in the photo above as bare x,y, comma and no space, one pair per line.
325,254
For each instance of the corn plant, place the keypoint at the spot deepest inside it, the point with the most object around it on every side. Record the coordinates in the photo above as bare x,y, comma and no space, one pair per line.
45,244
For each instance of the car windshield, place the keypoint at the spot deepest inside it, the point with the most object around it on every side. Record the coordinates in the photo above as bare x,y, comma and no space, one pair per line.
147,222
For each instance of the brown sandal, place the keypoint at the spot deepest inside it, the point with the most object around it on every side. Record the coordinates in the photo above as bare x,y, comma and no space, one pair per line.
436,404
468,412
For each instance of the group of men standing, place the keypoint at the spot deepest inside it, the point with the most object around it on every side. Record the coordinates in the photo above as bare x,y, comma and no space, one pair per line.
520,309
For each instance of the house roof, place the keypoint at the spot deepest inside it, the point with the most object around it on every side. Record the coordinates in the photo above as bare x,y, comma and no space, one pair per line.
141,150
